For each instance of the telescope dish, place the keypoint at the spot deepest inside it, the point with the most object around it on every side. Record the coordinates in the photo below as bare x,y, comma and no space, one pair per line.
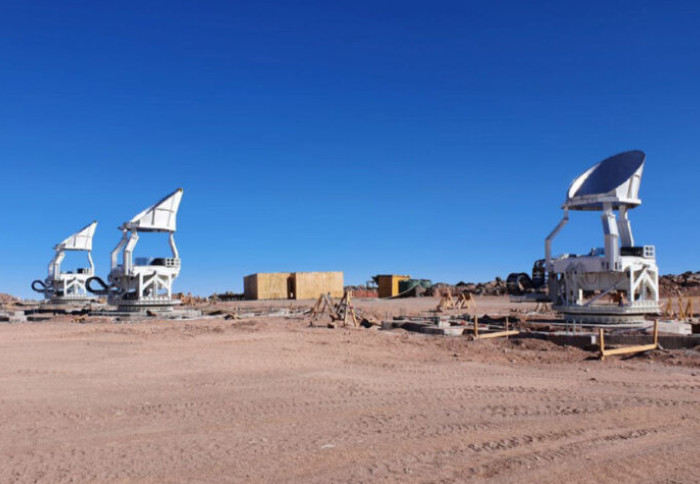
614,181
81,240
160,217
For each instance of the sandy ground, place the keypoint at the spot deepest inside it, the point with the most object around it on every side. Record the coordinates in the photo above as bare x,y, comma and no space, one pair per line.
274,400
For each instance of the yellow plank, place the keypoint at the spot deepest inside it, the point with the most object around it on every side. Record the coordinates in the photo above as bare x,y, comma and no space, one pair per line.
498,334
626,350
629,349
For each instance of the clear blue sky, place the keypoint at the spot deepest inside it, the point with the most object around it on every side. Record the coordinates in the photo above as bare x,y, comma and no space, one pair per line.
430,138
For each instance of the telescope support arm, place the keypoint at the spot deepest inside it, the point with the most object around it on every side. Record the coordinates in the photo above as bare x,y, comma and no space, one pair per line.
550,237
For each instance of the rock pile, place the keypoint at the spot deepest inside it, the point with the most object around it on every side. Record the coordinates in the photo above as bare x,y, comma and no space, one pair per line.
226,296
686,284
497,287
7,298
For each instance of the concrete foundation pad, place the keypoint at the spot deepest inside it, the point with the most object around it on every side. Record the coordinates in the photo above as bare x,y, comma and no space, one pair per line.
273,314
13,317
35,318
141,315
675,327
442,328
587,340
445,331
583,340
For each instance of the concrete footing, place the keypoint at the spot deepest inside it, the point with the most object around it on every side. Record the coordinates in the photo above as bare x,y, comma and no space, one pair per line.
441,327
583,340
588,340
145,314
13,317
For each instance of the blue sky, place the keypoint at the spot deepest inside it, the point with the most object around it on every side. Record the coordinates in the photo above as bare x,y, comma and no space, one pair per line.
430,138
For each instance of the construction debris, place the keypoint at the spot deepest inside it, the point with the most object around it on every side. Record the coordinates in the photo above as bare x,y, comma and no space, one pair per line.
233,314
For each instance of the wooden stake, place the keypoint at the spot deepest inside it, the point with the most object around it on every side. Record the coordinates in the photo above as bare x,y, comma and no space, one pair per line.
317,306
496,334
345,309
352,311
688,311
669,308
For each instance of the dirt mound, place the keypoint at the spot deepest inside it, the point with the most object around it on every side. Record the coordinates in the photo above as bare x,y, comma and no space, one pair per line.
686,284
7,298
497,287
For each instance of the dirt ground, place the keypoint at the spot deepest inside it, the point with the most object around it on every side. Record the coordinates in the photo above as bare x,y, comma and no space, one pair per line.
275,400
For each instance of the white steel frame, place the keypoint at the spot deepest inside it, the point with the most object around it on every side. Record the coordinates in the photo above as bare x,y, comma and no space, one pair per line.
146,284
66,287
633,280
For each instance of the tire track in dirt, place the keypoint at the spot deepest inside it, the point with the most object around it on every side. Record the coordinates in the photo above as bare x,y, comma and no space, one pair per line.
285,404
